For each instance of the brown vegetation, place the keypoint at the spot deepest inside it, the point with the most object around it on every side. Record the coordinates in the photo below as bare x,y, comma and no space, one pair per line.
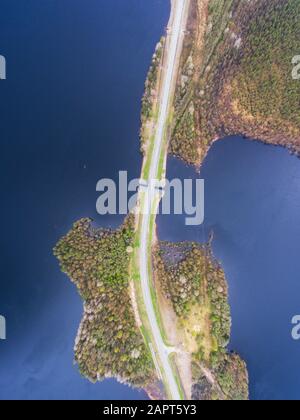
194,283
243,81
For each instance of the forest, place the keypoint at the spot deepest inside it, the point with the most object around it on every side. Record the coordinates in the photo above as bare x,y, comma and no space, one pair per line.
195,285
149,100
242,83
109,343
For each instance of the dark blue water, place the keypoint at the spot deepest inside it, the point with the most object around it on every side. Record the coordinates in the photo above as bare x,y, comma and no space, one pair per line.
69,115
253,207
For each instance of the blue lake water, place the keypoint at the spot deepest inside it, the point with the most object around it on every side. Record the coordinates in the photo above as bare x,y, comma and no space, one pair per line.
69,116
252,204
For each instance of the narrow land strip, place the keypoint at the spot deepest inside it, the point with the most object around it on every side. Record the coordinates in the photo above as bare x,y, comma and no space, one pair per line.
147,216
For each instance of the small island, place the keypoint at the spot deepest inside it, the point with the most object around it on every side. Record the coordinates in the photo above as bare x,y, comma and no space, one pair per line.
109,343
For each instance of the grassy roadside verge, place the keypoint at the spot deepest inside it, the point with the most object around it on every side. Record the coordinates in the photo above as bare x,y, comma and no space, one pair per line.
160,173
135,276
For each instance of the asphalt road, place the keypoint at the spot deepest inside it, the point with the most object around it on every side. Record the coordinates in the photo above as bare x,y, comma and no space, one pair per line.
161,351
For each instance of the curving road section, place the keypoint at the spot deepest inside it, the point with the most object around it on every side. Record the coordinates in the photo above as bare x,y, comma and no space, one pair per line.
173,52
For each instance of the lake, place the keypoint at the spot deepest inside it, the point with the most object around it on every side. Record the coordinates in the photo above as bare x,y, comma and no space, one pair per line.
70,115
